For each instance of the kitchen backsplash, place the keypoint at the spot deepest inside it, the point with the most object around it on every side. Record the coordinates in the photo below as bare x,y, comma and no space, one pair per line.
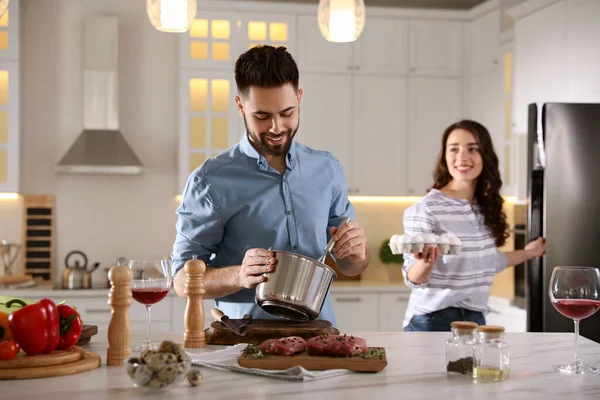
115,229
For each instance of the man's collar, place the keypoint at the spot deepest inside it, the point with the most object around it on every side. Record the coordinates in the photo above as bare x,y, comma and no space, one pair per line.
249,150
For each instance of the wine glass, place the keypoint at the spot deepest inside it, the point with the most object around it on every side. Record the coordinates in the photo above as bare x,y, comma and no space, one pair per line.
575,293
150,284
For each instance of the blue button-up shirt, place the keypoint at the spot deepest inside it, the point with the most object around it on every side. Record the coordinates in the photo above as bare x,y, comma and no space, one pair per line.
237,201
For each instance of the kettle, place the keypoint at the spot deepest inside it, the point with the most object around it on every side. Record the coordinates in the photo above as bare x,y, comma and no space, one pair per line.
77,276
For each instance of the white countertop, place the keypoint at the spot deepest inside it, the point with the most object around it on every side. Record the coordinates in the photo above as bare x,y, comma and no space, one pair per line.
416,370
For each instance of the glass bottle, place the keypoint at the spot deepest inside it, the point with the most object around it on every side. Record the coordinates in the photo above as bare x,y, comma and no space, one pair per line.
459,348
491,355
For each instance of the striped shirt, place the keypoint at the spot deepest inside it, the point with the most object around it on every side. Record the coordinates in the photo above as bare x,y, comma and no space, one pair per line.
462,280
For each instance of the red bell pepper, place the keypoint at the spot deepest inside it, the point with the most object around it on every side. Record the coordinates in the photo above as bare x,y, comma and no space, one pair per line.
70,326
35,327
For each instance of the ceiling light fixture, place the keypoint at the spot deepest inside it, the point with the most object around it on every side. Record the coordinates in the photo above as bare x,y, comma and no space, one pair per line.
171,15
341,21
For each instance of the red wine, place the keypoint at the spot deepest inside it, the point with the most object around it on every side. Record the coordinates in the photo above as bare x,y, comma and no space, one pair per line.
149,295
576,309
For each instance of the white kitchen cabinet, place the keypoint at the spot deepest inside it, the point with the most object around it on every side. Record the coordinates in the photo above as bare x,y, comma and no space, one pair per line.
9,33
380,136
540,61
208,118
267,29
392,307
434,104
9,99
483,39
316,54
9,126
356,312
213,42
382,47
436,48
582,56
325,122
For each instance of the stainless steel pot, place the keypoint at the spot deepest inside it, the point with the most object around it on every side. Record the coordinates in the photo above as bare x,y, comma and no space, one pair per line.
296,289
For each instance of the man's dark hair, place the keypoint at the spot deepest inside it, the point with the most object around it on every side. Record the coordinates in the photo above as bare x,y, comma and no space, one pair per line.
267,67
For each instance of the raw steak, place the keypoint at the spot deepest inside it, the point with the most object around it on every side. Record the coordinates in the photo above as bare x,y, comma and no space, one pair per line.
285,346
337,345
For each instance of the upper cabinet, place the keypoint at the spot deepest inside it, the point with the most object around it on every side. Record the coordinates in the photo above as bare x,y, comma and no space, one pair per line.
540,62
582,56
436,47
382,48
271,29
9,33
9,99
315,54
483,41
212,42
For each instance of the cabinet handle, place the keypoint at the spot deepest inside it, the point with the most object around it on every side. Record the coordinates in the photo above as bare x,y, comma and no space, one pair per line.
495,62
411,191
348,299
97,310
349,67
357,68
402,299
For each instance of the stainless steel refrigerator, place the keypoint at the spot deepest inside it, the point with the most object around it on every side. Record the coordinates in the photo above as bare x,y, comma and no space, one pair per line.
563,204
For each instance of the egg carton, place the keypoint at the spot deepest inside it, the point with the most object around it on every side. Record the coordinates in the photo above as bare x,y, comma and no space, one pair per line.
447,242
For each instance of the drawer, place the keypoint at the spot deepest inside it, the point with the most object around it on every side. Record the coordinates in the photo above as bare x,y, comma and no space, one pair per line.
392,310
356,312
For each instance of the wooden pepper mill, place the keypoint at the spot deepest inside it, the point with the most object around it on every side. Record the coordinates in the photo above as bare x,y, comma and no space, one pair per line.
193,336
119,329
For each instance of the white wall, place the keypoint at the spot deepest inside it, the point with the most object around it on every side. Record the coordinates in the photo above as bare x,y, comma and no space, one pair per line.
104,216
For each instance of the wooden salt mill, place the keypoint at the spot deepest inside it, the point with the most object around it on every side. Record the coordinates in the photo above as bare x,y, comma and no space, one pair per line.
193,336
119,329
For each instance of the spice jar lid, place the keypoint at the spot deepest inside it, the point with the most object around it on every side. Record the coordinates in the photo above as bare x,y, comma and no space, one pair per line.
491,329
464,325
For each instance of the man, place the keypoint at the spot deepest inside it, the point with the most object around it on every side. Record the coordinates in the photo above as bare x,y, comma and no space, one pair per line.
267,191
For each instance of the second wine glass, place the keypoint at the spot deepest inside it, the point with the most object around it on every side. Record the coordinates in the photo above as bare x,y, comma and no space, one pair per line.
575,293
151,283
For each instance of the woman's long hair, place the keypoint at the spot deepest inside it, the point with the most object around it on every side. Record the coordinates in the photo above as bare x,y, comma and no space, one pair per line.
487,189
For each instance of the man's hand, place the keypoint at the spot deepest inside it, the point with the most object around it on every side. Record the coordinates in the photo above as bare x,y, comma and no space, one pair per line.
256,262
351,243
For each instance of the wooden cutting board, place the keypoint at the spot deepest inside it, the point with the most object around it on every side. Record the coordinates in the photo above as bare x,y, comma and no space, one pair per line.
57,357
89,362
315,363
260,330
87,331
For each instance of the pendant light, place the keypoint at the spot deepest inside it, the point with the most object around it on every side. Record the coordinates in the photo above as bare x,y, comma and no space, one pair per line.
341,20
3,7
171,15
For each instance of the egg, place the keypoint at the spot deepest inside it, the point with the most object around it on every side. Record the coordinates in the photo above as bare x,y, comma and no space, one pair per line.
444,243
404,244
430,238
417,242
194,377
455,245
394,244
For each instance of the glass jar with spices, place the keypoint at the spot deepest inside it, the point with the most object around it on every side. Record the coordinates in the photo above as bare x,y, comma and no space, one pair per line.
459,348
491,355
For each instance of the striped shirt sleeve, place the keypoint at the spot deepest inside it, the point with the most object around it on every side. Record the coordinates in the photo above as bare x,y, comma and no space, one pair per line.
416,220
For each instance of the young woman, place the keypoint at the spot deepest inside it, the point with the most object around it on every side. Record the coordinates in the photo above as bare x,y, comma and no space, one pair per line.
465,201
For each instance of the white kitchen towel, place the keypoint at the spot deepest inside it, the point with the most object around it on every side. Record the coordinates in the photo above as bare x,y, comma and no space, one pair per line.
226,360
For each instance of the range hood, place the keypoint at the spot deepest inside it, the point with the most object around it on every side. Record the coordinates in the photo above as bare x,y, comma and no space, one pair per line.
100,147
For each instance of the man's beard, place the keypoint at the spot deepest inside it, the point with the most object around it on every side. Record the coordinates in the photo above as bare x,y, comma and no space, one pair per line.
260,139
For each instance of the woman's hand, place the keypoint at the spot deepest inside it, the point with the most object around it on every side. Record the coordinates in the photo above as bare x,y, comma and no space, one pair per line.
536,248
430,254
